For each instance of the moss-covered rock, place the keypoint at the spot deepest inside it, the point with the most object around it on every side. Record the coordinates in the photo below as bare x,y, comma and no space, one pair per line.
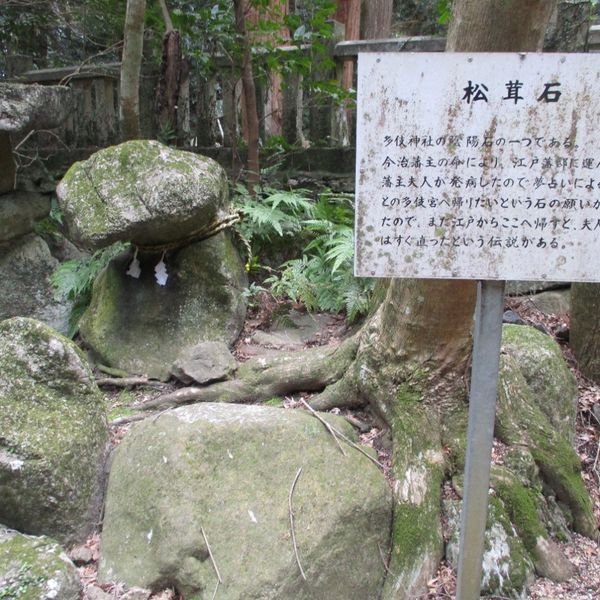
18,213
24,107
507,568
552,384
35,568
536,406
142,327
143,192
53,433
221,475
26,290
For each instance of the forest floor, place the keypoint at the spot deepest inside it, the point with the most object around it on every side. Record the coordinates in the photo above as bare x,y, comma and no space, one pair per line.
270,329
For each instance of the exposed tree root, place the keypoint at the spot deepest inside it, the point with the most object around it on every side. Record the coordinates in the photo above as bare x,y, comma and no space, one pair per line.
128,382
263,378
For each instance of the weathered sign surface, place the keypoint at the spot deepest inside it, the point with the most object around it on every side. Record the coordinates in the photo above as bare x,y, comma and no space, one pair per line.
478,166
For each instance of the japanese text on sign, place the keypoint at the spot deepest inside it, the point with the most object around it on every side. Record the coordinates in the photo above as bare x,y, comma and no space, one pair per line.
481,166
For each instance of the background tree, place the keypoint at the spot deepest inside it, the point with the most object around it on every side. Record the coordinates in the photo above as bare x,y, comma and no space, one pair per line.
129,109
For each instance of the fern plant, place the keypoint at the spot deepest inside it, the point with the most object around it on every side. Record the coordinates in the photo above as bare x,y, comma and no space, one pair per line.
323,278
74,279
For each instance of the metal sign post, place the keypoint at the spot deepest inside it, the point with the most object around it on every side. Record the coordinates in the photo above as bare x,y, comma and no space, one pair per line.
480,435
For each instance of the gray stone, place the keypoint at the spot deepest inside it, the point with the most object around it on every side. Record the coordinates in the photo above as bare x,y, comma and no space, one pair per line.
524,288
221,475
205,362
144,192
142,327
26,290
556,302
136,594
93,592
507,567
81,555
54,433
24,107
18,213
35,568
542,364
550,562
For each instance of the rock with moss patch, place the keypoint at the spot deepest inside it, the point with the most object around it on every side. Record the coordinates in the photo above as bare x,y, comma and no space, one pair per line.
26,265
221,476
507,569
35,568
24,107
541,362
204,363
142,192
536,409
142,327
18,213
54,433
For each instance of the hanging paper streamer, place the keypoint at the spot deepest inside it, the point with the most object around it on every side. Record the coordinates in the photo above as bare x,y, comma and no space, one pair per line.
160,271
134,269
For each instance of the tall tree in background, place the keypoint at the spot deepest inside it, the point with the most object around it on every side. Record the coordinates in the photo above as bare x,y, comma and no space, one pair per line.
249,93
167,96
376,19
129,110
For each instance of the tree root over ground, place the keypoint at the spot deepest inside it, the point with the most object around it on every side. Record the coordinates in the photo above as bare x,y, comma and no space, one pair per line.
260,379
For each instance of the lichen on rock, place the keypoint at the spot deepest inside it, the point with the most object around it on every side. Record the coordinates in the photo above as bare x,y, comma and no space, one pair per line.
35,568
54,433
143,192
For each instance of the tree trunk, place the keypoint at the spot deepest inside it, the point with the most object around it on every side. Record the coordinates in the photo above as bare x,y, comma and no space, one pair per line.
249,95
492,26
414,354
585,328
129,113
376,19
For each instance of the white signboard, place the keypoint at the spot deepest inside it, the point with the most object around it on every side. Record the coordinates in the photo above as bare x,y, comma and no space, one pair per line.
478,166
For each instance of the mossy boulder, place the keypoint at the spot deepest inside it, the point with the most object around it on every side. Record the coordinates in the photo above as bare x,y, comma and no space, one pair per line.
536,410
35,568
142,327
18,213
143,192
54,433
506,568
24,107
218,478
26,290
546,373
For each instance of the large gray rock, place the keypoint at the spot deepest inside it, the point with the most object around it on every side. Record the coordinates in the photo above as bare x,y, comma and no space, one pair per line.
141,191
221,475
24,107
18,213
541,362
142,327
54,433
25,287
35,568
206,362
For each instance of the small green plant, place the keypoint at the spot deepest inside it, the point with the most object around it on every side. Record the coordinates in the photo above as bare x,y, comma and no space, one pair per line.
271,214
19,585
74,279
322,279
